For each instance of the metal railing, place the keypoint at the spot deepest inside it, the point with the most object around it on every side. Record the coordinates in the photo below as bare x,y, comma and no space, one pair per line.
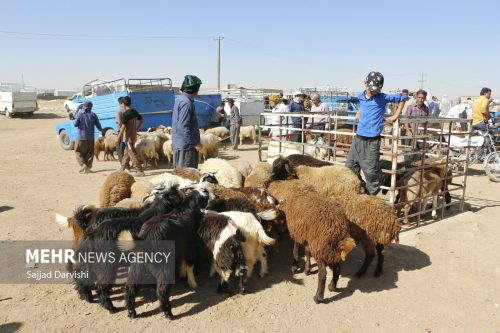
425,151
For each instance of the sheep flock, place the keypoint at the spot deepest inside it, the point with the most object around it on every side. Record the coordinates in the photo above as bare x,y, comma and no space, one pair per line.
227,220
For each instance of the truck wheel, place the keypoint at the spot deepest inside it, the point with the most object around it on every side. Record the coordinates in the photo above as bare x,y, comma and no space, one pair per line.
8,113
64,141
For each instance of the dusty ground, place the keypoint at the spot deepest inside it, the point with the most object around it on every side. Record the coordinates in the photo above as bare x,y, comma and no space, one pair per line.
442,277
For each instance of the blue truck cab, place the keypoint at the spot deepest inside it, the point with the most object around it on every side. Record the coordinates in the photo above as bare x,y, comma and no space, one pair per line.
152,98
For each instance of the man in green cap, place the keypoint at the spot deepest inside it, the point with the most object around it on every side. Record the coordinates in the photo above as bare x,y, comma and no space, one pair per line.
185,130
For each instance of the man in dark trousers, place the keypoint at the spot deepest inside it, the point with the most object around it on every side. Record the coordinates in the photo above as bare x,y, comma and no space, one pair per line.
365,148
85,120
235,124
185,130
120,147
128,133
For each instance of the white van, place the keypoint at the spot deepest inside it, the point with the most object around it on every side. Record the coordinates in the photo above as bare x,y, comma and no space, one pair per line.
18,102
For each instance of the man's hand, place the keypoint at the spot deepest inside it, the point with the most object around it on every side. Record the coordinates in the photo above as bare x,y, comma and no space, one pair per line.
391,119
198,147
116,141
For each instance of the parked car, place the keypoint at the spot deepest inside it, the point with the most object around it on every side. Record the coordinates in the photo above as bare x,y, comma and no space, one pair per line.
72,103
18,102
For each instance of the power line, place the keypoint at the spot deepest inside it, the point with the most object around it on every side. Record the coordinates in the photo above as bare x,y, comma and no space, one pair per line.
49,35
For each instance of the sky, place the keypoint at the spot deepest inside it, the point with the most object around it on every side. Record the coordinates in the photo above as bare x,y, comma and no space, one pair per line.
268,44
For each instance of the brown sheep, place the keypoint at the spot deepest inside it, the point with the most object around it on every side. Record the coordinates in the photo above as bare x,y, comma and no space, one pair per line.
188,173
317,223
258,175
116,187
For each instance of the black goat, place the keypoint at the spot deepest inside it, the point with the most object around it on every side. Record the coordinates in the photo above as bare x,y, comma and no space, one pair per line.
180,226
102,240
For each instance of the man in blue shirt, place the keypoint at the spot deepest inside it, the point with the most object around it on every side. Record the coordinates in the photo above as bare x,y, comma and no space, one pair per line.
85,120
364,152
297,105
185,130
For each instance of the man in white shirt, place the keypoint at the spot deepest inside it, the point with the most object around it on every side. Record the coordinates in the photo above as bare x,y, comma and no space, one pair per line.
317,123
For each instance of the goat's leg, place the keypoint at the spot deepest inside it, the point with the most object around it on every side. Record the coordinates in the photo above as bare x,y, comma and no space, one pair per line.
262,256
434,206
84,291
332,286
104,290
380,260
307,268
190,276
250,264
320,292
295,263
163,292
131,289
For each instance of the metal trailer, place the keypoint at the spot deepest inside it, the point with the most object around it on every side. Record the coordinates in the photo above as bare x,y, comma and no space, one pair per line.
434,137
153,98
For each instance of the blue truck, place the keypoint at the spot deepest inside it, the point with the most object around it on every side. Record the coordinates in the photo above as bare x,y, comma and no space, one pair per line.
152,98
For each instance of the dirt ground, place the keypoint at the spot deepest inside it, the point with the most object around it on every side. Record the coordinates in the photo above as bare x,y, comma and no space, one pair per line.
442,277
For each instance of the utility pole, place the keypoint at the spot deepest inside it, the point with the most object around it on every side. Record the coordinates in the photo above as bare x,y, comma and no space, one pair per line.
421,80
218,39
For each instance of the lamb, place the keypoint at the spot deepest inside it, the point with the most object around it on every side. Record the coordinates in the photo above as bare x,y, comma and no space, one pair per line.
327,180
255,240
168,151
146,151
116,187
102,239
98,146
248,132
222,239
245,168
188,173
178,226
109,147
226,174
259,175
210,144
317,223
159,138
221,132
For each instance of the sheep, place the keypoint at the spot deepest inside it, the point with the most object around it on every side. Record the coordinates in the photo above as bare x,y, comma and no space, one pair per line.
316,147
327,180
248,132
226,174
129,203
102,239
141,189
255,240
116,187
245,168
168,151
110,147
298,159
210,144
374,226
317,223
159,138
221,132
146,151
166,178
222,239
188,173
180,226
98,146
430,185
259,175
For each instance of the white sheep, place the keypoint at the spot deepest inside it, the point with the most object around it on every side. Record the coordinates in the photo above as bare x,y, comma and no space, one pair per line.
248,132
168,178
221,132
146,151
168,151
226,174
210,144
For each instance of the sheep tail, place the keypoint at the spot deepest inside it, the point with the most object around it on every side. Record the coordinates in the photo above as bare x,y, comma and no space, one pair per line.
61,220
125,241
268,215
346,245
264,238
